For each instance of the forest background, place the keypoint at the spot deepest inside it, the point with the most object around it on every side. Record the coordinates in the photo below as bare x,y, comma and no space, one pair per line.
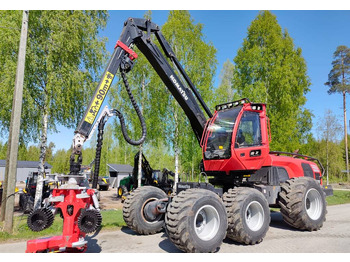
65,58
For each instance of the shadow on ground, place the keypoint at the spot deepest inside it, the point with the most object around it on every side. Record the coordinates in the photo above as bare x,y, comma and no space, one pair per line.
92,246
167,245
278,222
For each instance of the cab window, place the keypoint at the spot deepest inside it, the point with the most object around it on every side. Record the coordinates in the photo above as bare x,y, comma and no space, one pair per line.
220,134
249,131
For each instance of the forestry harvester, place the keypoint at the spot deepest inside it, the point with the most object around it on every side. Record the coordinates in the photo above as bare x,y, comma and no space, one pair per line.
244,177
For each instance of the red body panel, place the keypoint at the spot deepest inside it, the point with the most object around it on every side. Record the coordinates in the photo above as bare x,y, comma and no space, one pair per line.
244,158
292,165
71,232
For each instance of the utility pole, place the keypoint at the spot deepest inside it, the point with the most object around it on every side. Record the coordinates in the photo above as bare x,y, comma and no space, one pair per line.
346,136
12,150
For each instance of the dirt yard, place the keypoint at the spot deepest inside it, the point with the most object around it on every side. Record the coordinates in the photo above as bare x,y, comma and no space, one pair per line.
109,199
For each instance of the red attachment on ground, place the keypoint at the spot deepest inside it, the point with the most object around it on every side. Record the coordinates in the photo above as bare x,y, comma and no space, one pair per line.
132,54
72,239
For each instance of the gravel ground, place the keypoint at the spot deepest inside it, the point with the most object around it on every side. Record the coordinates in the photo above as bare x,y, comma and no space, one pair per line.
109,200
334,237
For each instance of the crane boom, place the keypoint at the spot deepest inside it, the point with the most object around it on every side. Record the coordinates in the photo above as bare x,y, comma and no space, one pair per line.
138,32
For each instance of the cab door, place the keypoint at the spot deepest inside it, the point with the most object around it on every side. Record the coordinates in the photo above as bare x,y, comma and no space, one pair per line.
249,146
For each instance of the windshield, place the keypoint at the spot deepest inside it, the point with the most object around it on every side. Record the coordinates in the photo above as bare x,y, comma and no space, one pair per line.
219,134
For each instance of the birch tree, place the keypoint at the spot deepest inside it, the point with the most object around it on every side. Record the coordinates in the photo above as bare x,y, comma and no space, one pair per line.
197,56
64,56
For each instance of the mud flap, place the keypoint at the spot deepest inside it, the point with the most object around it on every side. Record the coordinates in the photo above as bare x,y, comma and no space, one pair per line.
328,189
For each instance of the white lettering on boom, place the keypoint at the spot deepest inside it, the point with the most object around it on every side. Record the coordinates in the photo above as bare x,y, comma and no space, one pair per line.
182,92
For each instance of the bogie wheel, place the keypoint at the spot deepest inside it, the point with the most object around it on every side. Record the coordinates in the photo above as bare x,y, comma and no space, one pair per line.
196,221
133,210
303,203
248,215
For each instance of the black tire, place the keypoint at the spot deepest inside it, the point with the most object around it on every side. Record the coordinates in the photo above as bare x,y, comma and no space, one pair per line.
103,187
26,203
29,205
21,201
248,215
303,203
196,221
133,212
122,190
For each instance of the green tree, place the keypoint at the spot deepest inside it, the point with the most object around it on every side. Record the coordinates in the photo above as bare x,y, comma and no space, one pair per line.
225,92
140,83
339,82
49,152
3,150
60,161
22,152
198,59
269,69
64,54
329,129
33,153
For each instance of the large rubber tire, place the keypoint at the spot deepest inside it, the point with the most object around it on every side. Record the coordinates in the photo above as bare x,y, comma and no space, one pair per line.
248,215
21,201
196,221
26,203
303,203
133,210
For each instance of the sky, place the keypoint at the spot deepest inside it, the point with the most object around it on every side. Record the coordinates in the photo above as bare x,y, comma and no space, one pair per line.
316,32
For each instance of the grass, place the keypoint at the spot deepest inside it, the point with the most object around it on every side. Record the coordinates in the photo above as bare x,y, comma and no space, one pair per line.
339,197
111,219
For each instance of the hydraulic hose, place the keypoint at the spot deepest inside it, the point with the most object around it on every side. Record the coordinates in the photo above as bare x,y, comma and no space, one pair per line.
138,112
101,126
124,131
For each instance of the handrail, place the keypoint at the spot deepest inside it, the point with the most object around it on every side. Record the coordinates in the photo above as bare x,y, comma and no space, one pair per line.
299,156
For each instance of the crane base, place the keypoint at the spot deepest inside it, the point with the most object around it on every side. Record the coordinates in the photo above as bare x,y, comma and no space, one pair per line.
56,244
70,202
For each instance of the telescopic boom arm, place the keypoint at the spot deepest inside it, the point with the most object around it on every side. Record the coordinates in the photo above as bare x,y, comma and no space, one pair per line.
138,32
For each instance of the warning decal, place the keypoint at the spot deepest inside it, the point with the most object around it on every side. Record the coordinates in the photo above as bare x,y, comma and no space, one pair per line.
99,97
315,168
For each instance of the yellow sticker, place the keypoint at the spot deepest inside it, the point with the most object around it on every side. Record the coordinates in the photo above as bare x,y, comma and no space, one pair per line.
99,97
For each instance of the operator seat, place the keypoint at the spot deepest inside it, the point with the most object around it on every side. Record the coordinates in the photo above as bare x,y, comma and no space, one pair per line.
240,138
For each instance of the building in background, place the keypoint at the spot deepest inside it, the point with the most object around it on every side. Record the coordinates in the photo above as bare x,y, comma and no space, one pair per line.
23,169
118,172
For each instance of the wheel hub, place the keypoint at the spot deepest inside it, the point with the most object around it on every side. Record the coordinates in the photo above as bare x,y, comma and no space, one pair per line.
206,222
149,211
313,204
201,221
254,216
